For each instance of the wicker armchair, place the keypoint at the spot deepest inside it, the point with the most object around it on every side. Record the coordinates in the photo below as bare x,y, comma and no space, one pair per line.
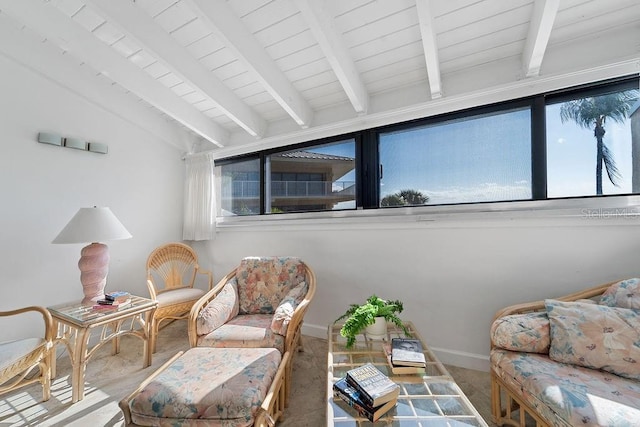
19,357
261,303
171,273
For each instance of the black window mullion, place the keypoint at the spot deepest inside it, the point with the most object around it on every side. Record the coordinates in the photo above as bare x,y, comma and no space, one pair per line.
263,183
368,184
538,149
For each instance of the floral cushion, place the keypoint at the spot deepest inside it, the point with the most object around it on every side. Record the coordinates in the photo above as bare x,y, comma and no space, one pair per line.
568,395
595,336
284,312
264,281
625,293
222,308
522,332
205,386
244,331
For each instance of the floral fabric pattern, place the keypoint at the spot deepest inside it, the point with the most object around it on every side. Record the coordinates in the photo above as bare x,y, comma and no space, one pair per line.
595,336
284,312
264,281
625,293
527,332
223,307
568,395
204,386
244,331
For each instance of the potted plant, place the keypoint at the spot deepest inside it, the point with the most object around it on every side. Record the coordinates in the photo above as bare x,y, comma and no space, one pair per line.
361,316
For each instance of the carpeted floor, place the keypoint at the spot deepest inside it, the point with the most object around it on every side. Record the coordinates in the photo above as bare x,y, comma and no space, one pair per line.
111,378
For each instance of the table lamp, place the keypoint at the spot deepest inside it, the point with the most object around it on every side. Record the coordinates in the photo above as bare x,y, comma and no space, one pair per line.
93,225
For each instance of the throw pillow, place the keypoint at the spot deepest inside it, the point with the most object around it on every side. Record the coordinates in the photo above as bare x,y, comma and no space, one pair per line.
264,281
284,311
219,310
595,336
625,293
527,332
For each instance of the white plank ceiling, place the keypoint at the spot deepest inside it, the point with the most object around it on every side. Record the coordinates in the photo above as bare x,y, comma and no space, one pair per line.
238,75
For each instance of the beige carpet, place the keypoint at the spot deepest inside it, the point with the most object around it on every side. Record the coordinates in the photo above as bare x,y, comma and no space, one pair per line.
110,378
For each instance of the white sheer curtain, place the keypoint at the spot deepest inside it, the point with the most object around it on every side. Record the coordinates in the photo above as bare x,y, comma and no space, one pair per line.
199,200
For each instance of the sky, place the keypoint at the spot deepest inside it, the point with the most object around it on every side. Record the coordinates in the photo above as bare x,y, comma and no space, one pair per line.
571,157
487,158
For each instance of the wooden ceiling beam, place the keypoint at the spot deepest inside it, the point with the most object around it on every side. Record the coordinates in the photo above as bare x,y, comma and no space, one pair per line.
26,47
430,46
138,25
544,13
332,45
230,29
50,22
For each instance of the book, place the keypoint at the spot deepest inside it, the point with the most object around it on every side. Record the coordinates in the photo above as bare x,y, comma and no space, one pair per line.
401,370
407,352
119,296
351,397
114,306
375,387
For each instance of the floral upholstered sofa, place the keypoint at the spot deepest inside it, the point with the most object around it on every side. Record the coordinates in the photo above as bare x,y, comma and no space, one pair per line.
569,361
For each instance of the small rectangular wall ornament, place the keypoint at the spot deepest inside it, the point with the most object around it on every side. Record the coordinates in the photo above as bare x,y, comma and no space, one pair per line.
78,144
50,138
97,147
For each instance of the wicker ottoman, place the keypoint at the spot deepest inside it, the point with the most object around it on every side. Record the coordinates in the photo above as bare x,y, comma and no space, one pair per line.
230,387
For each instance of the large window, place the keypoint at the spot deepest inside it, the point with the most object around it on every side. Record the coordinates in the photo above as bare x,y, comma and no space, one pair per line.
476,159
240,188
316,178
579,142
590,145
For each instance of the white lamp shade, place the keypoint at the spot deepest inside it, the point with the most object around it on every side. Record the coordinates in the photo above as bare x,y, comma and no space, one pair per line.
92,225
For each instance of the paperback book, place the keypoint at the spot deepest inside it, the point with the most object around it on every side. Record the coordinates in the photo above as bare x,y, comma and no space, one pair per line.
398,369
351,396
120,296
113,306
407,352
375,387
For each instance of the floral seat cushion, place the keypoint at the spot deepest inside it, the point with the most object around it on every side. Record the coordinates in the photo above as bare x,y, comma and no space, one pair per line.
208,386
573,394
244,331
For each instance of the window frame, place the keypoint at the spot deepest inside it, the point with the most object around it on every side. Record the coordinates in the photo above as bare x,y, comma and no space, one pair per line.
367,169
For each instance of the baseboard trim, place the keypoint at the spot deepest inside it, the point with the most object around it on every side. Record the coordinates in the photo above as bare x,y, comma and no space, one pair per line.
315,331
479,362
462,359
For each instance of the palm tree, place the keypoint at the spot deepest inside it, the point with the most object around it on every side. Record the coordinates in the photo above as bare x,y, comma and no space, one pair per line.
405,198
595,111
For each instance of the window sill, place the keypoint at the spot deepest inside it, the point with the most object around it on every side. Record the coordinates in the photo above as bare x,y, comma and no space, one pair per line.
610,210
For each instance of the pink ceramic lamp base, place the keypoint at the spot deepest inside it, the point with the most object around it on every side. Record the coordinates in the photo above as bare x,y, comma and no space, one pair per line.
94,267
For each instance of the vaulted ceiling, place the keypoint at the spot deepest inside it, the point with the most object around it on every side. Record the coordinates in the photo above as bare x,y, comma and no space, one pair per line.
238,75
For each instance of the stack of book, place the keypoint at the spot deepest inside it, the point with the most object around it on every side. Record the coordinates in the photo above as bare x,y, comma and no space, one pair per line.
405,356
113,301
367,390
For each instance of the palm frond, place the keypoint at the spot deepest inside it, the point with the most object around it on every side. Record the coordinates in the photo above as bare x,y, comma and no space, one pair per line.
610,165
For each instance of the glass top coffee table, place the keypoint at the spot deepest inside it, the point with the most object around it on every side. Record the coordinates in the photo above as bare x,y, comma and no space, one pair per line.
429,399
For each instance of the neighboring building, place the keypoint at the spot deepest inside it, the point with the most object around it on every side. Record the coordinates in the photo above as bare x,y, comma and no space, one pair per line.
300,181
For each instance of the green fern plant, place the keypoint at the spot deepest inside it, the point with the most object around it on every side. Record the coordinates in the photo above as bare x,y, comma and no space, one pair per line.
359,316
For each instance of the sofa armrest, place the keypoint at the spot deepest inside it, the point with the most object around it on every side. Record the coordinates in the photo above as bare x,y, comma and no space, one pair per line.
528,307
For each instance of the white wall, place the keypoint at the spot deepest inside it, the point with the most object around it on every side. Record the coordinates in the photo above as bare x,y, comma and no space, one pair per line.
42,186
452,274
